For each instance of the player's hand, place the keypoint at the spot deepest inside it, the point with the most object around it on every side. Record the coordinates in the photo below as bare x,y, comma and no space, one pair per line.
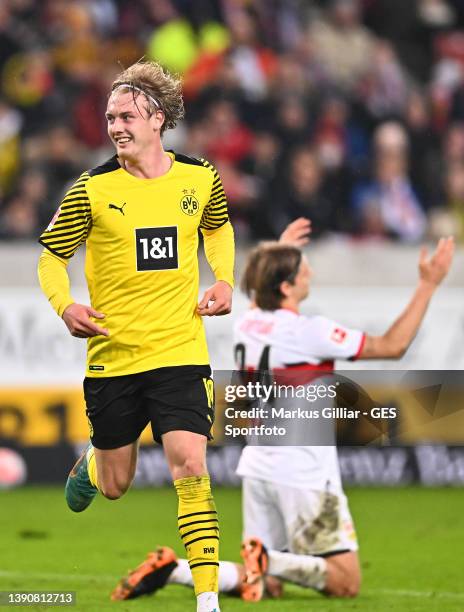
79,323
216,301
297,232
433,270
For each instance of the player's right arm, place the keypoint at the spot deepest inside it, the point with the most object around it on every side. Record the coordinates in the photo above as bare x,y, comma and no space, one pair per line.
67,231
397,339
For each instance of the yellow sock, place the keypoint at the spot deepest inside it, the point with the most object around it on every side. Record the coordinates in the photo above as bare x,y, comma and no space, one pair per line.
92,468
199,530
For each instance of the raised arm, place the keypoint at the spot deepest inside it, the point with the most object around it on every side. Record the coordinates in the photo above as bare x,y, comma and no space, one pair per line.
297,232
397,339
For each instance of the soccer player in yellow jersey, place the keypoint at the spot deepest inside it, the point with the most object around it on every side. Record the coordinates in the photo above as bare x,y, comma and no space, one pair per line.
139,215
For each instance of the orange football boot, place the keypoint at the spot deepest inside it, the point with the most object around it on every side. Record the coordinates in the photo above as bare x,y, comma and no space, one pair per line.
149,576
255,560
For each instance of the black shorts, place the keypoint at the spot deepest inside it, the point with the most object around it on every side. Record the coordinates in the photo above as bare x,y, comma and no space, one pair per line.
171,399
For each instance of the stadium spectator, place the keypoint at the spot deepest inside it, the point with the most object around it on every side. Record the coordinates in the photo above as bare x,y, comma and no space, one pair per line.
297,193
230,139
450,217
10,126
384,88
424,158
342,45
388,205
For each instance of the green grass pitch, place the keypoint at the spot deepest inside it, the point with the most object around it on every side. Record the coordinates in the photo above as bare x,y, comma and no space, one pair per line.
412,543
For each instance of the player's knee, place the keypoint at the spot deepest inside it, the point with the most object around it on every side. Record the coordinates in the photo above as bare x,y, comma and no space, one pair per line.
350,588
343,582
191,467
353,582
343,589
114,490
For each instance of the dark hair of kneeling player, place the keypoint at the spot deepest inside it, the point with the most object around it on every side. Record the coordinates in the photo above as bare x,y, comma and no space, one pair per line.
267,267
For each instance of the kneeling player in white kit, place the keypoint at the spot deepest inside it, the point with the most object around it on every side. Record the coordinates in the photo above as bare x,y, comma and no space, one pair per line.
297,524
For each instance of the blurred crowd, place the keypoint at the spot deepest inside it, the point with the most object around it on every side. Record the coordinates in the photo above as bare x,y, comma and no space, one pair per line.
349,112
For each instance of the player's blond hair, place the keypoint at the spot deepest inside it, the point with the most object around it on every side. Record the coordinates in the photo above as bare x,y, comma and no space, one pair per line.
162,90
267,267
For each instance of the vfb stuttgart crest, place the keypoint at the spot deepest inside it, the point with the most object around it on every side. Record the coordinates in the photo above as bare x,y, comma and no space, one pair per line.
189,204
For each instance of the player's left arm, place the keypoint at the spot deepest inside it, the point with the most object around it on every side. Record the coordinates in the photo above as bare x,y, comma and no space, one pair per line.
220,253
218,238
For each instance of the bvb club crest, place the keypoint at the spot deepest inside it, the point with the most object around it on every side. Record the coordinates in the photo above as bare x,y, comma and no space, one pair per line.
189,204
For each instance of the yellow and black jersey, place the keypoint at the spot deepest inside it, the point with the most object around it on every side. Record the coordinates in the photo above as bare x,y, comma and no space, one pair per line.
141,260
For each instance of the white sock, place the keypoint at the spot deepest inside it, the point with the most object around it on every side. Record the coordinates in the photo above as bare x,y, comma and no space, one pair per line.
228,575
305,570
181,574
207,602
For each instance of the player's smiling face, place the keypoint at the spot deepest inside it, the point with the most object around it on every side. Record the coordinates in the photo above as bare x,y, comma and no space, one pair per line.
131,128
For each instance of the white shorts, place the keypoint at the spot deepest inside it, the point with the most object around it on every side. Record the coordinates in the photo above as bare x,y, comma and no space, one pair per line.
300,521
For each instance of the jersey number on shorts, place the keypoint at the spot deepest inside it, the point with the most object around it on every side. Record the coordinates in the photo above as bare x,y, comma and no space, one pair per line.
209,388
156,248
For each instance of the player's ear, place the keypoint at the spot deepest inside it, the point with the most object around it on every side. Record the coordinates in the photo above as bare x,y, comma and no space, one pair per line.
285,288
157,120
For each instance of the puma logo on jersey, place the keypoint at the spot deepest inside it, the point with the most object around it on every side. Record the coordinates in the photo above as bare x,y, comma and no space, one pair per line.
120,208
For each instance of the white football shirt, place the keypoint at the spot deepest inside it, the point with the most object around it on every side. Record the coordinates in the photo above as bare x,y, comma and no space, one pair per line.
303,344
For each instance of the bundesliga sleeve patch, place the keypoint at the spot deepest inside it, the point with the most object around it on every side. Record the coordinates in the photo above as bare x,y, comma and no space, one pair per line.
156,248
338,335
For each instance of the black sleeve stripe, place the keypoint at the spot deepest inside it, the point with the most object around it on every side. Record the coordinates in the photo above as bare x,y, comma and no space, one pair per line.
67,241
66,226
76,191
68,217
69,253
220,207
72,209
216,206
215,213
200,539
52,250
184,535
218,198
205,163
179,518
72,248
218,195
205,225
211,520
74,220
67,238
66,232
68,200
214,218
66,235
